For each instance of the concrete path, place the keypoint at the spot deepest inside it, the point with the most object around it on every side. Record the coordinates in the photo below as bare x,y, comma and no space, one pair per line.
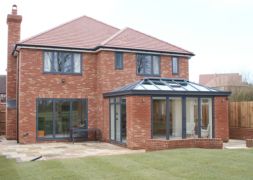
27,152
235,144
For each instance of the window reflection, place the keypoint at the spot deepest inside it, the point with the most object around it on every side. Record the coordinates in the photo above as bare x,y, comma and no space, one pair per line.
159,117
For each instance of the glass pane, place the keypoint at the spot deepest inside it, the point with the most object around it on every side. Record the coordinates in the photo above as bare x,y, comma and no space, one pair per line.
148,65
117,120
150,87
159,118
117,100
139,87
45,118
190,88
200,88
62,118
206,116
192,117
123,120
156,65
48,60
175,118
140,63
77,63
119,60
62,59
111,100
78,114
112,124
55,67
66,62
174,65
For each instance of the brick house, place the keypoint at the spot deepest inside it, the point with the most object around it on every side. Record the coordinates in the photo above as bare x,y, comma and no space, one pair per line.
2,89
222,81
131,86
2,103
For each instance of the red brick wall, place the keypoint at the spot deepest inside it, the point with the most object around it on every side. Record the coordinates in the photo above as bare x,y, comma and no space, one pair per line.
109,79
249,142
139,125
221,118
13,22
138,121
240,133
99,76
34,84
166,67
155,144
106,121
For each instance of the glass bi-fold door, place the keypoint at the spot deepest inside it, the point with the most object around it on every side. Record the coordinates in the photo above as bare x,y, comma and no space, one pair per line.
118,120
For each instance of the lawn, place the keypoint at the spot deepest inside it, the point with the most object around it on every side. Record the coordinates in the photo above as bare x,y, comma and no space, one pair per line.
169,164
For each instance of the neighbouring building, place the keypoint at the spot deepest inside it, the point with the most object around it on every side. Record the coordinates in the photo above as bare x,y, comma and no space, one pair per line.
233,82
131,86
226,81
2,104
2,89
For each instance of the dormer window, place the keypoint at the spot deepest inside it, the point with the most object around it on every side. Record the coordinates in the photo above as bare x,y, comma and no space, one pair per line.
62,62
148,65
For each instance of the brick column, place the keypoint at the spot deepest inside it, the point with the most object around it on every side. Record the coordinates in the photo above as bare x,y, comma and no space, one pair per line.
138,121
221,118
13,22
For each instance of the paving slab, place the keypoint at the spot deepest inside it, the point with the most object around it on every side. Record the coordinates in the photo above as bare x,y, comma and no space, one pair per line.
61,150
235,144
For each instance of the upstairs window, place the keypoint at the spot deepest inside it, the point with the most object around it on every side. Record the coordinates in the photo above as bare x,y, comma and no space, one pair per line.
62,62
148,65
118,60
175,65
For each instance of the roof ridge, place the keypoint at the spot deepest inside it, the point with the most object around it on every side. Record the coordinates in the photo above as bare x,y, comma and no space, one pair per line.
113,36
101,22
159,40
63,24
27,39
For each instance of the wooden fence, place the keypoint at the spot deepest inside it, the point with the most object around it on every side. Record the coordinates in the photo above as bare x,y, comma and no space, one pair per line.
240,114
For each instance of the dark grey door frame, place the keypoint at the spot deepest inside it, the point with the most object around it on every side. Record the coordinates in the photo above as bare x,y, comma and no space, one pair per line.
84,101
114,103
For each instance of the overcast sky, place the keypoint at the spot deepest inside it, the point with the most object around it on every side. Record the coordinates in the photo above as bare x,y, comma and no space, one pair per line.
219,32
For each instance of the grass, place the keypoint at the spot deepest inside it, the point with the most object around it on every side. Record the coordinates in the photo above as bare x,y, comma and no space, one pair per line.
169,164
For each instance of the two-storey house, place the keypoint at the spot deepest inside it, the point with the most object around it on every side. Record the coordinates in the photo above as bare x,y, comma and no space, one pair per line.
131,86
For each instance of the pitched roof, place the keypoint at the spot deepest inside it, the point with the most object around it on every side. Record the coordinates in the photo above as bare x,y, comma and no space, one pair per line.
83,32
130,38
88,33
2,84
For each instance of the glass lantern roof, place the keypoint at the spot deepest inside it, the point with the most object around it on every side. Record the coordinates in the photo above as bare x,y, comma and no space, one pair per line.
167,86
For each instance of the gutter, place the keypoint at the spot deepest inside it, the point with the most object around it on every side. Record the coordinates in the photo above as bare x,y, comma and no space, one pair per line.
100,48
162,93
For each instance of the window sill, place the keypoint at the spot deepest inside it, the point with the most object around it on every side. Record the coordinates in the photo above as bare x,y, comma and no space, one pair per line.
52,73
149,75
